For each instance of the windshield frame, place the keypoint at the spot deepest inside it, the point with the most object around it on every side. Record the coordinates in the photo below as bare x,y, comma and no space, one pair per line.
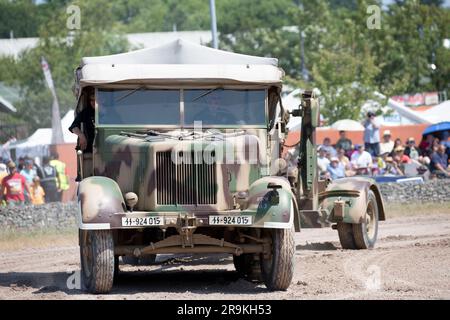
181,124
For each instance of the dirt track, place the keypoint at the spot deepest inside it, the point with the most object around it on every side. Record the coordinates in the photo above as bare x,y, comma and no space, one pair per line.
412,260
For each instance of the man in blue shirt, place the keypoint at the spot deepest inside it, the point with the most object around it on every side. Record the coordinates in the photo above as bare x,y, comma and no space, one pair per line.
336,169
439,162
371,135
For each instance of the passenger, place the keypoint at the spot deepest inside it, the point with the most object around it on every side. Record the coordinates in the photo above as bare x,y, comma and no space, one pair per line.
86,120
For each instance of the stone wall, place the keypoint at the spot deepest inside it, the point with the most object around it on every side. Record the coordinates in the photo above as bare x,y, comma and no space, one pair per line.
64,215
429,191
51,215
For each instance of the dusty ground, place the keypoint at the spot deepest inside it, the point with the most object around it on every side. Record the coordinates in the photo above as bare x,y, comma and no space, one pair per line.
412,260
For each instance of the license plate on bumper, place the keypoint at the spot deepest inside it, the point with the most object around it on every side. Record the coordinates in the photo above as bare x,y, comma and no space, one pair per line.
230,220
142,222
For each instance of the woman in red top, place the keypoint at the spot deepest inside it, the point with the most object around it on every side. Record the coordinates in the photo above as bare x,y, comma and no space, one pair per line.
15,185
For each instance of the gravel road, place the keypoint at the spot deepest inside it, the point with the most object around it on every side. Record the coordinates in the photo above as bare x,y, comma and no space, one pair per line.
411,260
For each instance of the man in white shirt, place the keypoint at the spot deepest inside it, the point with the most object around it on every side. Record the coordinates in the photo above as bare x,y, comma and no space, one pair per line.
361,160
322,160
387,145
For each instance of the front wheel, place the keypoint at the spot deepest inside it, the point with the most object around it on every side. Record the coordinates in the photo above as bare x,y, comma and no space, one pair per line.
278,268
97,260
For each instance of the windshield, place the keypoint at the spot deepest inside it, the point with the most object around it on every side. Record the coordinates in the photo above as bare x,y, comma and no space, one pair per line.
139,107
213,107
225,107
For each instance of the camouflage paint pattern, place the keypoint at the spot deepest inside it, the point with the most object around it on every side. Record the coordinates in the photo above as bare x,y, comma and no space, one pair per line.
242,160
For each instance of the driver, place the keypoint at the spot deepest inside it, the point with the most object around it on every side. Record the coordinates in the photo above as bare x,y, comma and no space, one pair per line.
213,113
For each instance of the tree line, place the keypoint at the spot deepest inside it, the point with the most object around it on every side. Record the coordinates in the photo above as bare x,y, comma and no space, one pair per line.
341,54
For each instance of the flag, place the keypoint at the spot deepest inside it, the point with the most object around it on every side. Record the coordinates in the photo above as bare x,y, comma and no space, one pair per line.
57,135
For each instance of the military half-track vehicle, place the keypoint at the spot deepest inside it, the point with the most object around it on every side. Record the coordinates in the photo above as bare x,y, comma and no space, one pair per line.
187,158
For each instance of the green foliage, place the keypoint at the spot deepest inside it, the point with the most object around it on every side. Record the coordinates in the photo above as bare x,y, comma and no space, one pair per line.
63,49
345,60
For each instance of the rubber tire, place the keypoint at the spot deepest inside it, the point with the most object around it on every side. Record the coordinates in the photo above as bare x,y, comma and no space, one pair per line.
354,236
277,273
360,235
97,273
345,232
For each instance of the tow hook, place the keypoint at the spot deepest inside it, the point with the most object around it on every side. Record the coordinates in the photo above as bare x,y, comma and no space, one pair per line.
186,228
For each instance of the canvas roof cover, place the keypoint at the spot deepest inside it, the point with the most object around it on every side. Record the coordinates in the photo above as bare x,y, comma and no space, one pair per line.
180,61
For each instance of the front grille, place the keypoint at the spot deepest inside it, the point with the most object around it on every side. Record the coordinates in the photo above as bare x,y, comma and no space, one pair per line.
186,180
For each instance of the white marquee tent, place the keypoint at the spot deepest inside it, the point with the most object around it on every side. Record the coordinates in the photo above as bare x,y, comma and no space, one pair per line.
37,145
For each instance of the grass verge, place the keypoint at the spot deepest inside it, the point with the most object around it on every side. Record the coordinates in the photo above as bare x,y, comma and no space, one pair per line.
15,239
416,209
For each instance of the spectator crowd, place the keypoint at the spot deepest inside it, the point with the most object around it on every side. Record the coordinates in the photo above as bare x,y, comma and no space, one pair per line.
26,182
384,157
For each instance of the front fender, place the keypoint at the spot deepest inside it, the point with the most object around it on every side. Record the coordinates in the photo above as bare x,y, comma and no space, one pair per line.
353,194
98,199
279,215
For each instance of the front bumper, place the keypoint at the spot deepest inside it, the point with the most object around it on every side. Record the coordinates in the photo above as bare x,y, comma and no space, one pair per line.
197,219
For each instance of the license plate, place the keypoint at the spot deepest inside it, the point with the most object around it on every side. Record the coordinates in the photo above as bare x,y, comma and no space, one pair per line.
230,220
142,221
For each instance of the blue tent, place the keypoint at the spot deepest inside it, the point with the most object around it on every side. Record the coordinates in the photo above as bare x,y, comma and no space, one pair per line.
436,128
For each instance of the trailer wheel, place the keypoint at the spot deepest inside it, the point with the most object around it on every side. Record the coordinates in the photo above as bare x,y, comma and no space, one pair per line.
365,234
278,268
361,235
345,232
97,260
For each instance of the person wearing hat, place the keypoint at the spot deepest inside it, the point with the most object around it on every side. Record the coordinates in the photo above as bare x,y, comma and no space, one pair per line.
336,169
400,156
391,168
388,144
371,135
13,186
411,150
